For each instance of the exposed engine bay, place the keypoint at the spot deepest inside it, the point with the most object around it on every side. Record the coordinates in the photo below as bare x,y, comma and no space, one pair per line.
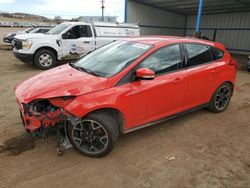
40,116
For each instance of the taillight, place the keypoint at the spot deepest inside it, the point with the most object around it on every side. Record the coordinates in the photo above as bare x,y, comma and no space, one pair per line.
232,62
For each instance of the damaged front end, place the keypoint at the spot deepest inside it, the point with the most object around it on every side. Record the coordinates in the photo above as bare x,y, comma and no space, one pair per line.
41,115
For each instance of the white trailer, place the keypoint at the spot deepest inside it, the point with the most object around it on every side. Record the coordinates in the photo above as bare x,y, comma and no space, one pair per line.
69,41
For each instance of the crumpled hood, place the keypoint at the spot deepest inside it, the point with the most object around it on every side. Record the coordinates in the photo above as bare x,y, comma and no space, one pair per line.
35,36
58,82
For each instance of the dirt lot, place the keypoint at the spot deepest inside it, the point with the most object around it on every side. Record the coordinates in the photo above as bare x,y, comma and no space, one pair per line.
201,149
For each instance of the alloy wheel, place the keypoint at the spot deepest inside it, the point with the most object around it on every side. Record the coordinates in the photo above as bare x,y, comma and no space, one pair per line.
222,97
90,136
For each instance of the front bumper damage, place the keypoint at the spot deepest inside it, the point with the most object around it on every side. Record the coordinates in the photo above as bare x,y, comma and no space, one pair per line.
40,116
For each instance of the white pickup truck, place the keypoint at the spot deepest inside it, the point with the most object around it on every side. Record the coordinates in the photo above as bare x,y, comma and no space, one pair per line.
68,41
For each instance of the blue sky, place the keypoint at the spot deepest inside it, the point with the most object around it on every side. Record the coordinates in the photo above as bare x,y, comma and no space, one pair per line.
65,8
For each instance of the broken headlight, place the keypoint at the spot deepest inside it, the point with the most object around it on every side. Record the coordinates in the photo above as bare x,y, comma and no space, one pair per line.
40,107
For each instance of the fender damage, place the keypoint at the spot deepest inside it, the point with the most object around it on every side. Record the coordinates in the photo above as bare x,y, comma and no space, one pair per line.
44,113
42,99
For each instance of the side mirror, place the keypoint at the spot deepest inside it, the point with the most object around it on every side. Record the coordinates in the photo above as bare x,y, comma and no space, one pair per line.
145,74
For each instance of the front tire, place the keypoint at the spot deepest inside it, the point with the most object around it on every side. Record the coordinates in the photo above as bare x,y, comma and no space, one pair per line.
45,59
95,135
221,98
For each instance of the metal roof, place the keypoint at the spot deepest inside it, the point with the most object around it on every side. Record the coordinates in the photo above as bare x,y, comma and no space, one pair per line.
187,7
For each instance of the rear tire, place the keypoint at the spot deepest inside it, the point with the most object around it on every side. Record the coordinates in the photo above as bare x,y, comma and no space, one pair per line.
45,59
221,98
95,136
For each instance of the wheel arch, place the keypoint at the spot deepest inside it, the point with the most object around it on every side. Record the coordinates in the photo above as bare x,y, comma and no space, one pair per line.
47,48
232,85
228,81
115,113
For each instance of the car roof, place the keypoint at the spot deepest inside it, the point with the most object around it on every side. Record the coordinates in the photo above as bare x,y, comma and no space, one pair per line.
158,40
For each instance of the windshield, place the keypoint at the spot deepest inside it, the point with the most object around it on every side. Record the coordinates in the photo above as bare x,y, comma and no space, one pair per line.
34,30
29,30
58,29
112,58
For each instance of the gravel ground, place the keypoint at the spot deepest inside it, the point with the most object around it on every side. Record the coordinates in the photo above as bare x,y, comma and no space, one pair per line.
201,149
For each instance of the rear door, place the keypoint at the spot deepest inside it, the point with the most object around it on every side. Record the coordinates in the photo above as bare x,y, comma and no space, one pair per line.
151,100
77,42
201,74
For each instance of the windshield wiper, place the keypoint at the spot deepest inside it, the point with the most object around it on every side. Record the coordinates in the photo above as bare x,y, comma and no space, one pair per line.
84,69
89,71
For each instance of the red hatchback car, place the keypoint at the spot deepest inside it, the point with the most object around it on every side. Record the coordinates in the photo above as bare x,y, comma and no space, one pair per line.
124,86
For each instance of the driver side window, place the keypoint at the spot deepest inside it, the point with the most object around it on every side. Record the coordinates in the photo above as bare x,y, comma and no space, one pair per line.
166,59
79,31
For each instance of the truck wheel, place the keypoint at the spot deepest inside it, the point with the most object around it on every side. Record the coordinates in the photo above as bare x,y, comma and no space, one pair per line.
45,59
221,98
95,135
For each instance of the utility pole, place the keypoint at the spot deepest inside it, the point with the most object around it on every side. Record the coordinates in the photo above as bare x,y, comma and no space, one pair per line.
102,1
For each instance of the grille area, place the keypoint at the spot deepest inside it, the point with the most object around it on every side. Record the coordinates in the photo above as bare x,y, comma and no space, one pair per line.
17,44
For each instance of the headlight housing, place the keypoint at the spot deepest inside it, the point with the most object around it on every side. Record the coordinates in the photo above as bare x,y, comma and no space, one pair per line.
26,44
43,106
40,107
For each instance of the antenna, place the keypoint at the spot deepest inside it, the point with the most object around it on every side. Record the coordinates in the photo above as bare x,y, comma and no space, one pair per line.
102,1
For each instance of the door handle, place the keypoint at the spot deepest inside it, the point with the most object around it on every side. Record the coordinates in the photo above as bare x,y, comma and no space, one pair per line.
177,80
86,42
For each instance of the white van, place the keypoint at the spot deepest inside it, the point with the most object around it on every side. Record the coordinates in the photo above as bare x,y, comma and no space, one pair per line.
69,41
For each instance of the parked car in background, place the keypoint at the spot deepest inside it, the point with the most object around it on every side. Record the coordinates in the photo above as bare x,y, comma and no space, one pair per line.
40,30
5,24
125,86
10,37
69,41
16,24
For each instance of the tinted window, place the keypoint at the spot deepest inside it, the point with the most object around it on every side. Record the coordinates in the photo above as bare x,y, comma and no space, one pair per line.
198,54
217,54
164,60
43,30
79,31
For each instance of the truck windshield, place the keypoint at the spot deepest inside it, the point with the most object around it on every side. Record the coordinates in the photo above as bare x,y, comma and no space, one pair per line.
112,58
58,29
29,30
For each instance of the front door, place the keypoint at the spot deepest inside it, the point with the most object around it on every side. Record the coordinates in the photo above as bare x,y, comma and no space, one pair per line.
155,99
77,42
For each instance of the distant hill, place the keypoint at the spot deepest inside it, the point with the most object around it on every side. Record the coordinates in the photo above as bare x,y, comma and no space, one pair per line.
25,16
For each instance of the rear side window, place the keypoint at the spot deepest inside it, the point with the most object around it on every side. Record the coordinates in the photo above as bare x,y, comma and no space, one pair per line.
217,53
166,59
198,54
